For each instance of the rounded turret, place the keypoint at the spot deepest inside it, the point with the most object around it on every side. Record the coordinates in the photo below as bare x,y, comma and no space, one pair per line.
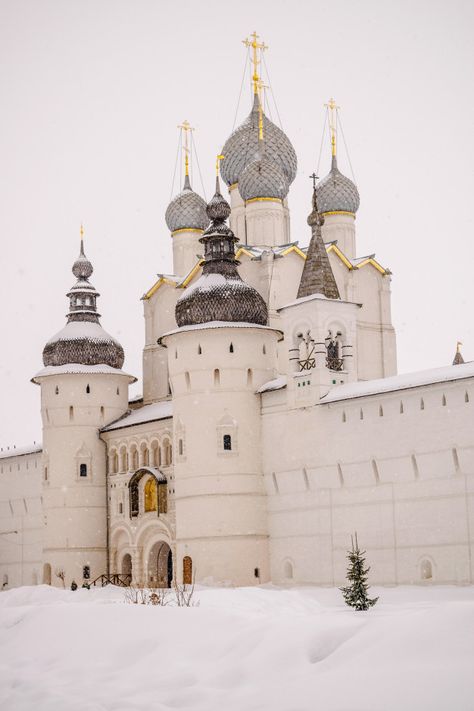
187,210
336,193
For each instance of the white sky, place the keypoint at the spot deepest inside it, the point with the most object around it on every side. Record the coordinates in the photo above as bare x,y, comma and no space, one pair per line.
91,92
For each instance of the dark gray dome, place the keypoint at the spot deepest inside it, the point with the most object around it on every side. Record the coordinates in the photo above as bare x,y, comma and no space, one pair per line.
263,178
336,193
187,210
242,145
220,294
83,342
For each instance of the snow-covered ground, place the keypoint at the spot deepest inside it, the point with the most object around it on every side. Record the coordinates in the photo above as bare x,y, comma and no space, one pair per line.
242,649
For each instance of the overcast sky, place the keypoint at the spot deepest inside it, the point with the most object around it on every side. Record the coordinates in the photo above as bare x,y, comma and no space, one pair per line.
91,93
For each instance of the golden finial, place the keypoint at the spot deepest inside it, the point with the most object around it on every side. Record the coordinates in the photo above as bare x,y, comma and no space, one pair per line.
187,128
253,42
218,162
81,231
332,108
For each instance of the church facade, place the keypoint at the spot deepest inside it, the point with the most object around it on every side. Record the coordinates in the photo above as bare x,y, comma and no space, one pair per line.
273,424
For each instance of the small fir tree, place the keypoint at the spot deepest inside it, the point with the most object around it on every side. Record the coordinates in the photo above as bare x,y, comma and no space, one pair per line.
355,594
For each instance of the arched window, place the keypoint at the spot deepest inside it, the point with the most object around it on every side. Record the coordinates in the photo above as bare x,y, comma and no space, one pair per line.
56,390
361,415
151,495
288,570
88,389
401,408
83,470
102,412
422,404
227,442
187,570
426,569
217,377
134,458
231,348
71,413
199,349
380,411
443,401
180,447
264,350
249,377
188,380
47,574
466,397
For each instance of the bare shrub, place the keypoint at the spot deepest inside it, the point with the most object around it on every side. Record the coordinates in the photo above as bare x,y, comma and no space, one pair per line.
61,574
147,596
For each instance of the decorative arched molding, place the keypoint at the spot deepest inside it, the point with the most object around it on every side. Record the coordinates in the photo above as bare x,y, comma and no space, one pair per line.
83,459
288,568
136,505
426,569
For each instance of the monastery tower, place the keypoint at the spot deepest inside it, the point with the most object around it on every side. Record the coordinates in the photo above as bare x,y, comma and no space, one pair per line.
220,354
82,389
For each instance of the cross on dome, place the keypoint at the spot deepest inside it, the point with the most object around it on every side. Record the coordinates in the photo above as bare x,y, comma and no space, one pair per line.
256,46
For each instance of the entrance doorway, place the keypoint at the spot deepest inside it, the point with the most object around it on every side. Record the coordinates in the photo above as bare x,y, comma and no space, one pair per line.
127,567
160,565
47,574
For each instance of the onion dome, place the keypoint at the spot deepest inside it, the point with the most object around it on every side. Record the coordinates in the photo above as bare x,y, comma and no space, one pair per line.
187,210
263,179
83,340
242,145
220,294
336,193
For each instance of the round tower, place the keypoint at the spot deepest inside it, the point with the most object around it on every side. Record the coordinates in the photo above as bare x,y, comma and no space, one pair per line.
186,218
219,356
82,389
338,198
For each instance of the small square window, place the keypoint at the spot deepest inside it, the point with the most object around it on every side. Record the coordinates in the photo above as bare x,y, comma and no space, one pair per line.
83,470
227,442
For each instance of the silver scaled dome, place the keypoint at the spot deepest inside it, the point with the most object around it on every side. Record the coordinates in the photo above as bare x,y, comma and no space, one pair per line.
220,294
187,210
336,193
263,178
242,145
83,340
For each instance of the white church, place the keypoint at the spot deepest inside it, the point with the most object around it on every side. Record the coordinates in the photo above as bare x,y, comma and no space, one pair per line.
273,424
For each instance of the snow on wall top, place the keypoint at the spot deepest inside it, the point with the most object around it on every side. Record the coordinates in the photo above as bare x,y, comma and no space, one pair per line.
35,448
79,368
147,413
362,388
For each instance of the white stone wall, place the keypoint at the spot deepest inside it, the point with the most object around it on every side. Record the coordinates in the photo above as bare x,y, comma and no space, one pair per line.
21,519
398,468
155,447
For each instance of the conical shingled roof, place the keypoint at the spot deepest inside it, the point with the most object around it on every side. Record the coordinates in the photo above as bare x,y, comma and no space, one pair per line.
220,294
317,276
242,145
187,210
336,193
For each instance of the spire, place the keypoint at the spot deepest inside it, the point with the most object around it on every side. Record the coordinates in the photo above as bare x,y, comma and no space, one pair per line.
458,359
220,294
317,276
332,108
82,296
256,46
187,128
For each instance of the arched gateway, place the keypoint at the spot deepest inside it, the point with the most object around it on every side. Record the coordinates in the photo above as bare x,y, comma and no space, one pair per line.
160,565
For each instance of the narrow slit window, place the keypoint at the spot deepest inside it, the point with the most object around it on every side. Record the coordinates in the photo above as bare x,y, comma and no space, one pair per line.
88,389
227,442
83,470
231,348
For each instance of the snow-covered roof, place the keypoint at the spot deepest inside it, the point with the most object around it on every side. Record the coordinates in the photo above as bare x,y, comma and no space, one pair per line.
21,451
275,384
147,413
363,388
219,324
78,368
315,297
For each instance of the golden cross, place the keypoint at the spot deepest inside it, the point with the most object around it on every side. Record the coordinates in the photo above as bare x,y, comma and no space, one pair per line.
187,128
332,107
253,42
458,347
218,162
81,231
